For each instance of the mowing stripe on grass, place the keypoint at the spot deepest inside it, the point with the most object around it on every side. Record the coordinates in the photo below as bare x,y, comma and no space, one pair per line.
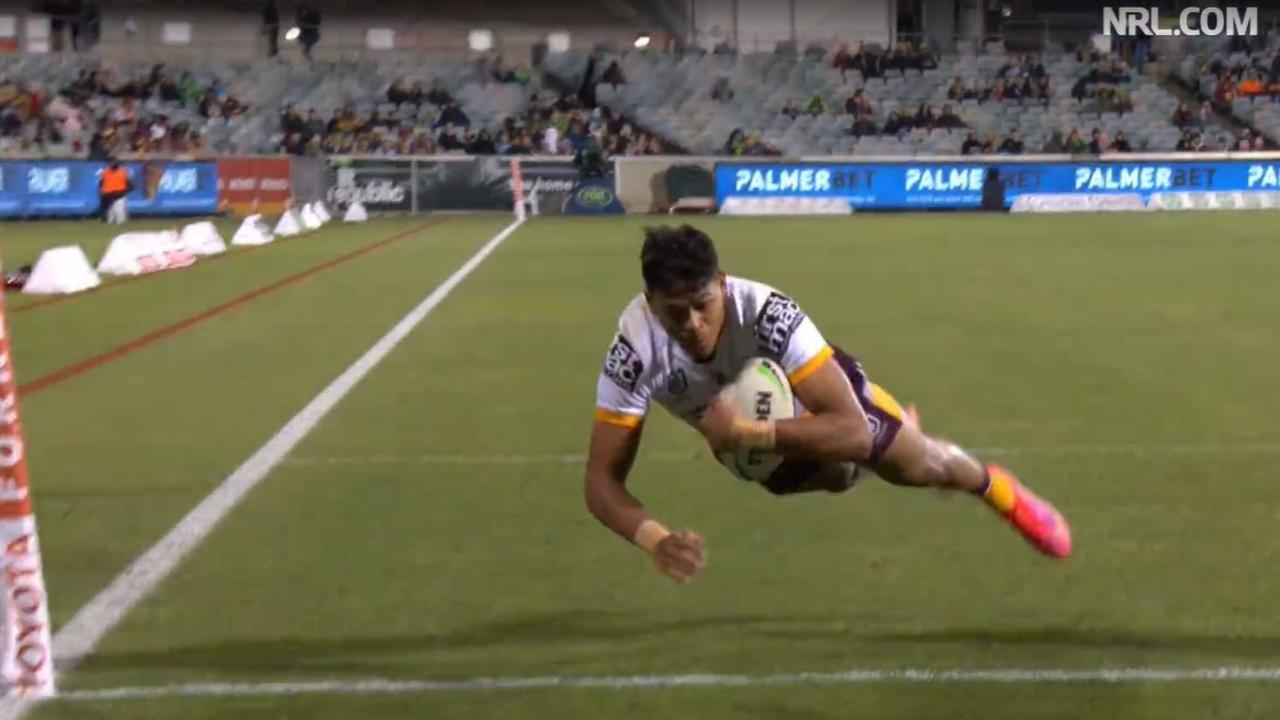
868,676
42,383
92,622
501,458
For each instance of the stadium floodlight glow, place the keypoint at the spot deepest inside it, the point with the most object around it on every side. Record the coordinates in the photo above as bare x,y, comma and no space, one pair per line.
642,40
293,33
480,40
558,42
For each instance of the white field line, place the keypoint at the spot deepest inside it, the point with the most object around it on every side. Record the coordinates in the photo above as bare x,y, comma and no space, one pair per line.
82,634
869,676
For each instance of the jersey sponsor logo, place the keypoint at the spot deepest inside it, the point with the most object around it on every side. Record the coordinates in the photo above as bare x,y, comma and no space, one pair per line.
775,324
623,365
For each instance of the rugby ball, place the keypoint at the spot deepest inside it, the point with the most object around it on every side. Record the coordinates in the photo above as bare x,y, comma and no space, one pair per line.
761,391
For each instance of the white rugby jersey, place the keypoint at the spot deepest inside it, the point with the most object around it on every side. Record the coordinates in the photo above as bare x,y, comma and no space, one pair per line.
644,364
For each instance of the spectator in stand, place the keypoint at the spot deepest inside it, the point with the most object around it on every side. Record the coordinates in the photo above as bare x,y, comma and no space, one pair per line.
1055,145
858,104
956,91
1035,68
996,93
397,92
1206,115
863,125
948,119
816,105
291,121
791,109
438,95
868,63
1015,89
1012,144
924,118
309,25
448,140
991,146
1099,144
902,57
1080,90
1251,86
453,115
843,61
551,140
1008,68
1121,143
925,59
482,144
613,75
1076,144
735,144
1224,93
971,145
720,91
977,91
1182,116
895,124
576,137
1259,143
314,125
271,27
1040,89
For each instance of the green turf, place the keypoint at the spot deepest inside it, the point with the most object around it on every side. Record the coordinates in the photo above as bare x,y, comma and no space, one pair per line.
1123,365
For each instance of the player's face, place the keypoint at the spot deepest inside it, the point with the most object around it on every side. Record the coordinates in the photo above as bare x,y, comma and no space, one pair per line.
694,319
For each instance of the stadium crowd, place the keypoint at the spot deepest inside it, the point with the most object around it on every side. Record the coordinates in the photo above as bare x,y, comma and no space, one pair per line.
560,127
101,116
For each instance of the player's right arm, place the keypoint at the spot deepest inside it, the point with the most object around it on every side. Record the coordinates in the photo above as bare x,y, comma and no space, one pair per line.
679,556
621,404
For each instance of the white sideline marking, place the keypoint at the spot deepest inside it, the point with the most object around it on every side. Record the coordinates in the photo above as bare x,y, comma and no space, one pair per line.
869,676
79,636
499,458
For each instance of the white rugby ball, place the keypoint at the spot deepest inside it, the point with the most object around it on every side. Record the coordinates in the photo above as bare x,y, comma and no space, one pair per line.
760,392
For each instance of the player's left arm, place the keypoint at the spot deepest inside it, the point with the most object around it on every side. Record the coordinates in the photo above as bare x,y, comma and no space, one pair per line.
834,429
837,428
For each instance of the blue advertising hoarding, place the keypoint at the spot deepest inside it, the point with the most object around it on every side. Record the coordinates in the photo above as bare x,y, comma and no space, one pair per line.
70,188
958,185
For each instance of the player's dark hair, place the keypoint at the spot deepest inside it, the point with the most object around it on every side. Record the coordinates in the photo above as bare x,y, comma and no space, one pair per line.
677,260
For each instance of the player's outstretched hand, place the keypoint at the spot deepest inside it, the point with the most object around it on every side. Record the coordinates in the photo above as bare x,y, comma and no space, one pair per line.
680,556
717,426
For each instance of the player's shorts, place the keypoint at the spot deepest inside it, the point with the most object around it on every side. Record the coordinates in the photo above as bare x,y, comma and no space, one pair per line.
884,415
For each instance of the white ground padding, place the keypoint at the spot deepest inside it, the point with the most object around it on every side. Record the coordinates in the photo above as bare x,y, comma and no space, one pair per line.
355,213
202,238
253,231
144,252
288,225
310,219
62,270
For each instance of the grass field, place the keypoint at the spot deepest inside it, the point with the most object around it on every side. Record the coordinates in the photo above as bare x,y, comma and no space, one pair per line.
432,526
